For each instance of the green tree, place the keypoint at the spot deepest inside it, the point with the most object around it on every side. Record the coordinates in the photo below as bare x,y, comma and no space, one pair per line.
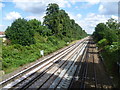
107,37
61,25
107,31
20,32
51,18
35,25
100,31
38,27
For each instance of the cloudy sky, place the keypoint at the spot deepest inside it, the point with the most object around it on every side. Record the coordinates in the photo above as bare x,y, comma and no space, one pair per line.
87,13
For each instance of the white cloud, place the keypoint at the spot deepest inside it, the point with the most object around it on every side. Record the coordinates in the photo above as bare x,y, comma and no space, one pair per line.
114,17
89,22
38,6
92,1
79,15
88,1
108,8
12,16
35,17
73,16
34,7
1,5
32,17
3,27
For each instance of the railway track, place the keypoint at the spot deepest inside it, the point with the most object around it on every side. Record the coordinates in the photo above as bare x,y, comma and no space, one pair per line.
90,73
52,72
90,78
76,66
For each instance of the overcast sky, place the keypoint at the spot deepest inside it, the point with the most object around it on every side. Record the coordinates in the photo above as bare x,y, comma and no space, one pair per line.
87,13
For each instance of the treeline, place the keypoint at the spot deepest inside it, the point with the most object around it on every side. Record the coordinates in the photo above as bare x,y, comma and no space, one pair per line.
56,23
107,37
25,38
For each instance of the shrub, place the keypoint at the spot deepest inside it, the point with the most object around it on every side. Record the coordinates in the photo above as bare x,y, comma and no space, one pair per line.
102,43
53,39
20,32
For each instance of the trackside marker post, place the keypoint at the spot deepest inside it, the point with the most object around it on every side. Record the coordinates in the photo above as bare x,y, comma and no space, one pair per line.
42,52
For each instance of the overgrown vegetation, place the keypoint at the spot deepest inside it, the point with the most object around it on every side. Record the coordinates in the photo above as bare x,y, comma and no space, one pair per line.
20,32
25,38
107,37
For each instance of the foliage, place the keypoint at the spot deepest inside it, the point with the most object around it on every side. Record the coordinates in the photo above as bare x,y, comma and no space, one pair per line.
107,37
20,32
37,27
102,43
106,31
17,55
100,31
29,37
60,23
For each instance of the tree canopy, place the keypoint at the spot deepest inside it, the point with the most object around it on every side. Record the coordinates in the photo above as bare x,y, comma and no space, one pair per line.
56,23
107,37
60,23
20,32
109,30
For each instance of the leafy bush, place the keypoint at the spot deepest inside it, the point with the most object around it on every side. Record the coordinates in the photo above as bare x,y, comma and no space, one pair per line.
107,37
20,32
27,38
102,43
17,55
53,40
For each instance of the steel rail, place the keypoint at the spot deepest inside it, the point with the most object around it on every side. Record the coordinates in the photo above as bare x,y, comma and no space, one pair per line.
64,59
76,75
34,66
66,80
